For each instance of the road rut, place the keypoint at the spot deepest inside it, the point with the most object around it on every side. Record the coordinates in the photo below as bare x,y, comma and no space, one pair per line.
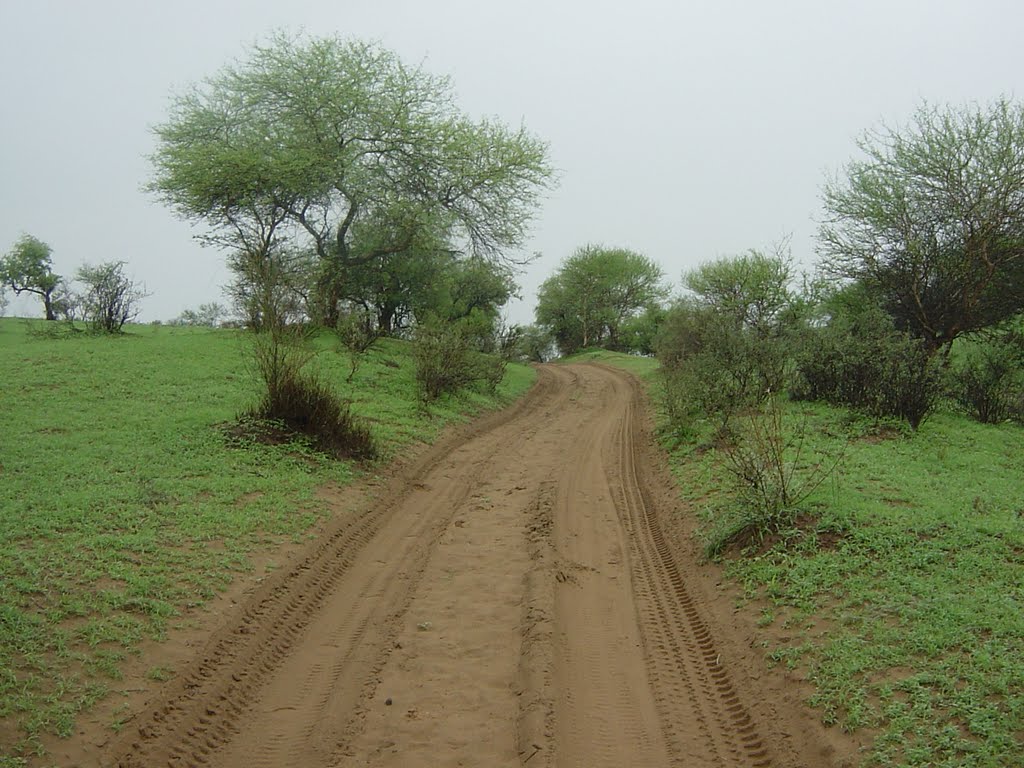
510,600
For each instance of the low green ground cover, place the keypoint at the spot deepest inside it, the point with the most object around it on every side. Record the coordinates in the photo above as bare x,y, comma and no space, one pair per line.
124,502
900,593
898,590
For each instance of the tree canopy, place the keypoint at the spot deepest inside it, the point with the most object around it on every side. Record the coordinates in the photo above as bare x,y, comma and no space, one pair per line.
594,293
28,268
931,220
752,290
339,147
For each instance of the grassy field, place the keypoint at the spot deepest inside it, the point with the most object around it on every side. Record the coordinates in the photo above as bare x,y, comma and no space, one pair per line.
900,594
123,505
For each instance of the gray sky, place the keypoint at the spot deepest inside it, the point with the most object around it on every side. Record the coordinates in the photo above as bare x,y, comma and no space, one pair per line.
683,130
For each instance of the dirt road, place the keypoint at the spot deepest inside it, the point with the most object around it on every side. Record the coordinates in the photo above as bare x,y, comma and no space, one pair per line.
511,600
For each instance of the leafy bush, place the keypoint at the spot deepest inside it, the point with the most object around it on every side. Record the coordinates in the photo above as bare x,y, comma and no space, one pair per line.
860,360
989,381
720,366
209,315
446,361
357,332
110,299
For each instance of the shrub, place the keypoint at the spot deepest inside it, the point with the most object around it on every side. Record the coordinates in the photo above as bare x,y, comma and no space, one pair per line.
447,363
989,382
860,360
357,331
774,471
301,402
110,299
720,366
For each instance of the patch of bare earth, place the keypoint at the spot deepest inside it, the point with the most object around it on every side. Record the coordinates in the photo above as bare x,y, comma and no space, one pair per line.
520,595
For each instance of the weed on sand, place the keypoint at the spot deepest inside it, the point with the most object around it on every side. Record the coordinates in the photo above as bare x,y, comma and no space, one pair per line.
123,504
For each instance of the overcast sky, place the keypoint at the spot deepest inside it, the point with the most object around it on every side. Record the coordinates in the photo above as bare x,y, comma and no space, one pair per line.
684,130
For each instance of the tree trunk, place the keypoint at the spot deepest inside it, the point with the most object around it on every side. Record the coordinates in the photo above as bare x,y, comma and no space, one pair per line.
48,305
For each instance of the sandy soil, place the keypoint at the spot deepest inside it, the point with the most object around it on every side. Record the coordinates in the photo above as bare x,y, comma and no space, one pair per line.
519,595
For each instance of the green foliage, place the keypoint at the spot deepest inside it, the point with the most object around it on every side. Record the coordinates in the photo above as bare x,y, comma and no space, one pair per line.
594,295
932,220
305,404
270,286
357,332
209,315
110,298
711,367
640,333
446,361
344,151
774,470
860,360
753,289
534,345
988,378
729,345
28,268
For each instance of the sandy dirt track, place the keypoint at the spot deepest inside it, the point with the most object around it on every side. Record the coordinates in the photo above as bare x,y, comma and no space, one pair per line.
510,600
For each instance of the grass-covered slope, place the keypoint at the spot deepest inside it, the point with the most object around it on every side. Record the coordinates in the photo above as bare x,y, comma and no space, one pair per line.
123,502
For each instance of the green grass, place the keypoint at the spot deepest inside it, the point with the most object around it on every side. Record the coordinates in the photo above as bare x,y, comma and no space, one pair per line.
122,505
641,366
902,602
900,593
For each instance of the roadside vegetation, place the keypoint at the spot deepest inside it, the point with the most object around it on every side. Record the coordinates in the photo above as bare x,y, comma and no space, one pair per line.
850,444
131,495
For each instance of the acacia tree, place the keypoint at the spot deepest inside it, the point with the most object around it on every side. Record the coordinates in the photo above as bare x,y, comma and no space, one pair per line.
931,221
594,293
28,268
308,139
754,290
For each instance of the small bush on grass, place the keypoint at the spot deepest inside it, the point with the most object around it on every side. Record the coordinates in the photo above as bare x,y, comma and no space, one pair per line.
357,332
989,382
306,405
111,298
774,470
301,402
447,363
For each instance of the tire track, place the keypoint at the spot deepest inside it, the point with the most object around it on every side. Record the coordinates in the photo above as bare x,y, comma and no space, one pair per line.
565,633
604,713
687,671
204,708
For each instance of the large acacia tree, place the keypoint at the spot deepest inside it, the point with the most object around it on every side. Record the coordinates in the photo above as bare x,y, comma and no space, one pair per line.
931,220
309,142
593,295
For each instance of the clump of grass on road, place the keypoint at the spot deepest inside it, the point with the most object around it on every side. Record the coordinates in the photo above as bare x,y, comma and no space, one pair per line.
122,504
